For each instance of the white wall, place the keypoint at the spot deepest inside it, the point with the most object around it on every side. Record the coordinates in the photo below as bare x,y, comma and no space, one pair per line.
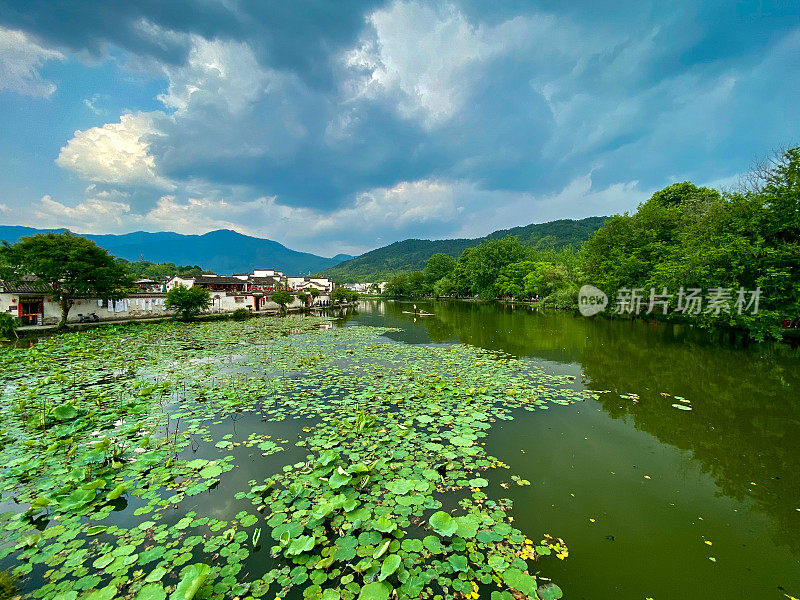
144,305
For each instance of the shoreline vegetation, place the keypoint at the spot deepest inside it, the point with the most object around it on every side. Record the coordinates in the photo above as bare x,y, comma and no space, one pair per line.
684,237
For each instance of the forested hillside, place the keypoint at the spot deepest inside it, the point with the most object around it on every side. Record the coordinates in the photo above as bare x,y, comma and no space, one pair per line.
411,255
691,254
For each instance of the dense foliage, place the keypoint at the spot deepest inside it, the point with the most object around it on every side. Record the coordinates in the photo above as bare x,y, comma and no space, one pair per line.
342,294
8,325
501,268
144,269
687,237
69,266
731,246
187,302
410,255
282,298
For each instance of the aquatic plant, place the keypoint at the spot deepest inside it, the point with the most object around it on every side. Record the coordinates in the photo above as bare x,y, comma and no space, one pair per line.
112,435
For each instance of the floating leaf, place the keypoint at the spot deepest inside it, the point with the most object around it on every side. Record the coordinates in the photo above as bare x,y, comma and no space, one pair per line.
514,578
377,590
389,566
339,479
151,591
106,593
443,524
549,591
65,412
122,488
304,543
192,577
458,562
384,525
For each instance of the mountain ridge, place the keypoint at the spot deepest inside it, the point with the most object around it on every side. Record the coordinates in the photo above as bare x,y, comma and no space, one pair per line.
223,251
412,254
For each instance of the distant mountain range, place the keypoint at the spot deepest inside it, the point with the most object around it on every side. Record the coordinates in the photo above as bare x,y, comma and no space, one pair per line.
410,255
222,251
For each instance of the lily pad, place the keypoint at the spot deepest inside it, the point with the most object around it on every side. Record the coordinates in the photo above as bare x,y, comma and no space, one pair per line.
377,590
443,524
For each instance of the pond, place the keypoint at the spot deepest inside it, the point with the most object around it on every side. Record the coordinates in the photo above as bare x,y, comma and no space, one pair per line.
644,494
481,451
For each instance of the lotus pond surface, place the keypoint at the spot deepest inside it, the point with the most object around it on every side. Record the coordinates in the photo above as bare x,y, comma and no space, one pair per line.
481,452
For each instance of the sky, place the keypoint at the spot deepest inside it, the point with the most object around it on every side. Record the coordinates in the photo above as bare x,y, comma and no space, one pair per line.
338,127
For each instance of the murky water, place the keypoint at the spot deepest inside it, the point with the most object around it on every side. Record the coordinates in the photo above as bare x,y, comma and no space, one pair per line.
653,501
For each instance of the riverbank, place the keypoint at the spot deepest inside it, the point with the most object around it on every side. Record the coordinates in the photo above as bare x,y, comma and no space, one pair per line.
26,330
733,334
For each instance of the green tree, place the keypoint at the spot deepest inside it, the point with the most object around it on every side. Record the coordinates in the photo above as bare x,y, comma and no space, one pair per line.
70,266
303,297
315,293
397,286
282,298
445,287
342,294
418,284
8,325
486,260
187,302
439,265
547,278
511,279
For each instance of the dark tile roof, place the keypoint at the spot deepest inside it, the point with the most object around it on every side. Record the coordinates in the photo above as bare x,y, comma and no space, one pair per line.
221,280
25,287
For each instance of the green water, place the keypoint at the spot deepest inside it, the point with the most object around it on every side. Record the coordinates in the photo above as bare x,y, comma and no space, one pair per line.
659,482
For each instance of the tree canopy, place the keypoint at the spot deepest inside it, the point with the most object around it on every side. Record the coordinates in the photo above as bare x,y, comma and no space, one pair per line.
187,302
70,266
282,298
684,236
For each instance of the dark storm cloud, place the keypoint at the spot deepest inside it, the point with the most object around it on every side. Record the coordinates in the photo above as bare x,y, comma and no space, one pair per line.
463,106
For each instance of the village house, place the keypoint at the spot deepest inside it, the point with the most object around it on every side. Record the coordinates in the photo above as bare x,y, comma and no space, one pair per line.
321,284
252,290
149,285
32,304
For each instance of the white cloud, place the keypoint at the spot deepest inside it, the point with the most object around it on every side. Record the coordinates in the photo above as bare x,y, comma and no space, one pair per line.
101,213
405,203
199,215
222,73
116,153
20,60
426,70
428,58
220,104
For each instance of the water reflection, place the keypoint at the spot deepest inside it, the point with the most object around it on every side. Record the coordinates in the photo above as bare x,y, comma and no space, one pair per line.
741,433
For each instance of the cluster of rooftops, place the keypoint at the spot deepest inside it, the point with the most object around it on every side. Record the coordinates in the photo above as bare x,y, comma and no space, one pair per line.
260,280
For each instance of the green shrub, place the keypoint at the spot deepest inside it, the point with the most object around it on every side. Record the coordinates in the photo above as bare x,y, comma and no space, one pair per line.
241,314
7,325
187,302
282,298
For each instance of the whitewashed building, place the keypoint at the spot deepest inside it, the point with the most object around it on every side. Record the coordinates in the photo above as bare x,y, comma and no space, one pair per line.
31,303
